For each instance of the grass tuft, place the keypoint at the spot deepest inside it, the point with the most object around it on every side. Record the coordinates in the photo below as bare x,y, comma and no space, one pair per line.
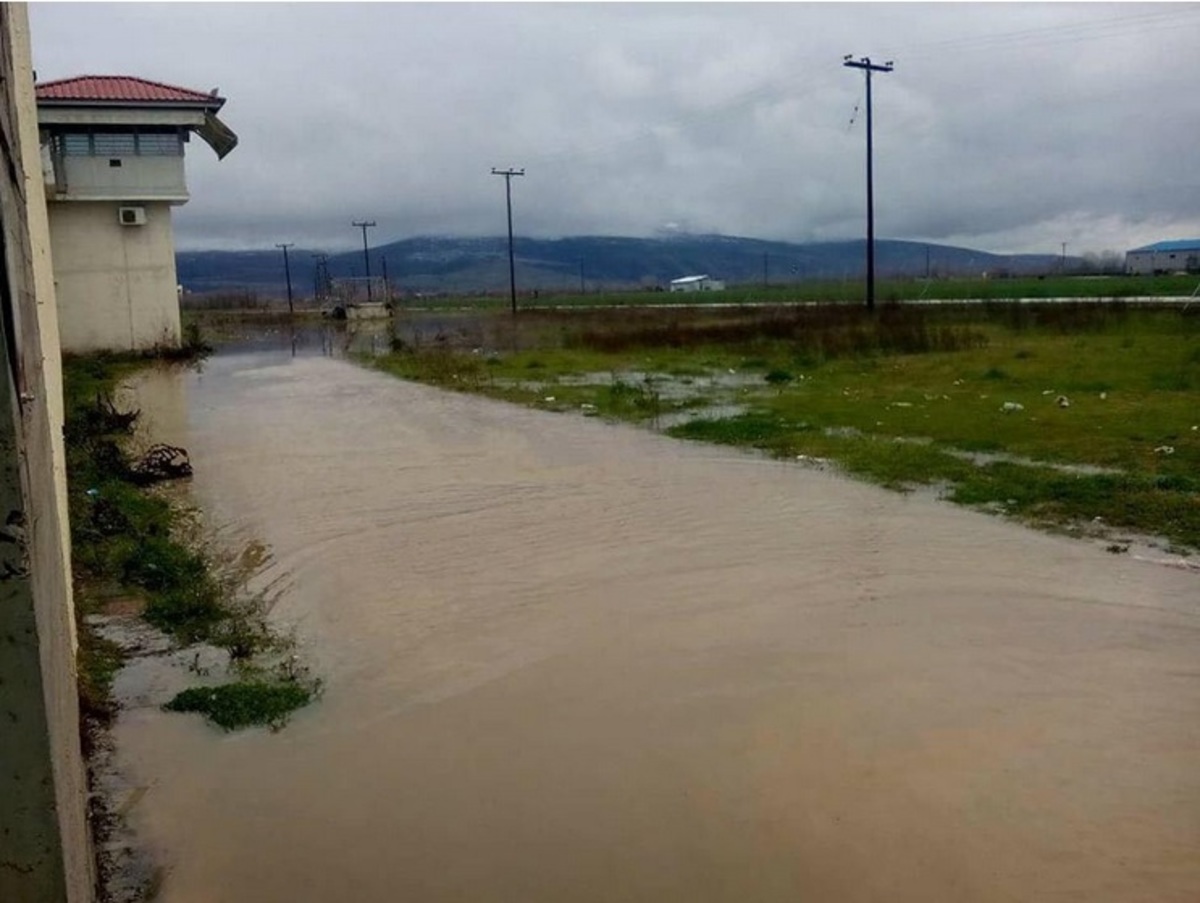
244,703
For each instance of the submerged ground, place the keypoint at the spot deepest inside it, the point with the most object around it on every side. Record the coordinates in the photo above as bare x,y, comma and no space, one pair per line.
566,659
1074,415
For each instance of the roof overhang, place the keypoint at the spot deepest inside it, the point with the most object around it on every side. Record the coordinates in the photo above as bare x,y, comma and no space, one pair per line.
201,119
89,114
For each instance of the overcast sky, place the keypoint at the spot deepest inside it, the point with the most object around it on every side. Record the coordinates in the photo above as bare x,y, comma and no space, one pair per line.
1004,127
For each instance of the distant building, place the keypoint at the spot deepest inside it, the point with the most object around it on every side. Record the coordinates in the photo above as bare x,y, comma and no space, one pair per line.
112,162
1164,257
697,284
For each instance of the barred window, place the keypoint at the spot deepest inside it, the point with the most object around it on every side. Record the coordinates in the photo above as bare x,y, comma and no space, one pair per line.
113,144
119,144
159,144
75,145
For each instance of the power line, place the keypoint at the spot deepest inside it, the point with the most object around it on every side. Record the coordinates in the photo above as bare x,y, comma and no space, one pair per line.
783,86
1056,34
809,72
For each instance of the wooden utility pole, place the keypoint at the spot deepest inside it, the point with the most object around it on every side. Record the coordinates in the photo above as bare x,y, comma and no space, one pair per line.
512,267
287,269
366,255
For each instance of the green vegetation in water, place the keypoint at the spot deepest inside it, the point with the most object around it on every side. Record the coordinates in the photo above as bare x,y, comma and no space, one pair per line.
1059,414
133,542
244,703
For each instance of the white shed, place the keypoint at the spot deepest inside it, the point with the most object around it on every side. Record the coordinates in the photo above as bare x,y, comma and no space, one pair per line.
703,283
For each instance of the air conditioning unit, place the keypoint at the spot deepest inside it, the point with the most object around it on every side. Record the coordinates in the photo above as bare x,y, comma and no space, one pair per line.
131,216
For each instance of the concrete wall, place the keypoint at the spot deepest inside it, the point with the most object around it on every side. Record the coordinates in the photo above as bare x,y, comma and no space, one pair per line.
116,285
45,854
134,179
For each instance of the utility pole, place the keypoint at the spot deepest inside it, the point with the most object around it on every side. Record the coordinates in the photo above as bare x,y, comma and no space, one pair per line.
868,67
512,267
387,289
287,269
366,256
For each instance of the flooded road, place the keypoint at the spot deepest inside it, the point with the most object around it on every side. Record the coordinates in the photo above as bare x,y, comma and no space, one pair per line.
571,661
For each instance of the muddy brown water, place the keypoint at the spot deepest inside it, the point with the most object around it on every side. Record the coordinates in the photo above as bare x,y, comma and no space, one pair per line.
572,661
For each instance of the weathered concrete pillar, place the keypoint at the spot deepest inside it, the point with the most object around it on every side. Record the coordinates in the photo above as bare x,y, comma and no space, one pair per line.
45,854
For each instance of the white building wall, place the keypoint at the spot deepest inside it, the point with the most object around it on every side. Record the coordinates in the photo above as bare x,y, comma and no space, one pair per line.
96,179
1138,263
697,284
116,285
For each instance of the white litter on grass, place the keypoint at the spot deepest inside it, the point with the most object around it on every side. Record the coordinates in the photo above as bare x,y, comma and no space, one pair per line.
1165,450
1062,401
548,398
900,404
1010,406
1104,396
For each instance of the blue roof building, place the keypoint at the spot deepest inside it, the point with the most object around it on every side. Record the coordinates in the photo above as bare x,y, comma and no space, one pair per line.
1178,256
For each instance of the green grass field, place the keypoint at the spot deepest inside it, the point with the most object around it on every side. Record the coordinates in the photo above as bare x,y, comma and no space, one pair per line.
1056,414
847,291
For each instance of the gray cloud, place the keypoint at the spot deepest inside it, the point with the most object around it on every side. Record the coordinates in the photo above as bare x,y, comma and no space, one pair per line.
1010,127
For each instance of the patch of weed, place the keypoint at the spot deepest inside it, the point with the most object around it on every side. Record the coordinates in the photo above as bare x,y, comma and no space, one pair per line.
629,401
754,428
244,703
1162,506
99,661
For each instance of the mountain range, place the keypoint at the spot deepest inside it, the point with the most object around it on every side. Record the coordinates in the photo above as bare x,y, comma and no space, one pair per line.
458,265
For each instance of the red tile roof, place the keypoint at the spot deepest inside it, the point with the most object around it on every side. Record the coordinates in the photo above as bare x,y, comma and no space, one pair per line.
122,89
